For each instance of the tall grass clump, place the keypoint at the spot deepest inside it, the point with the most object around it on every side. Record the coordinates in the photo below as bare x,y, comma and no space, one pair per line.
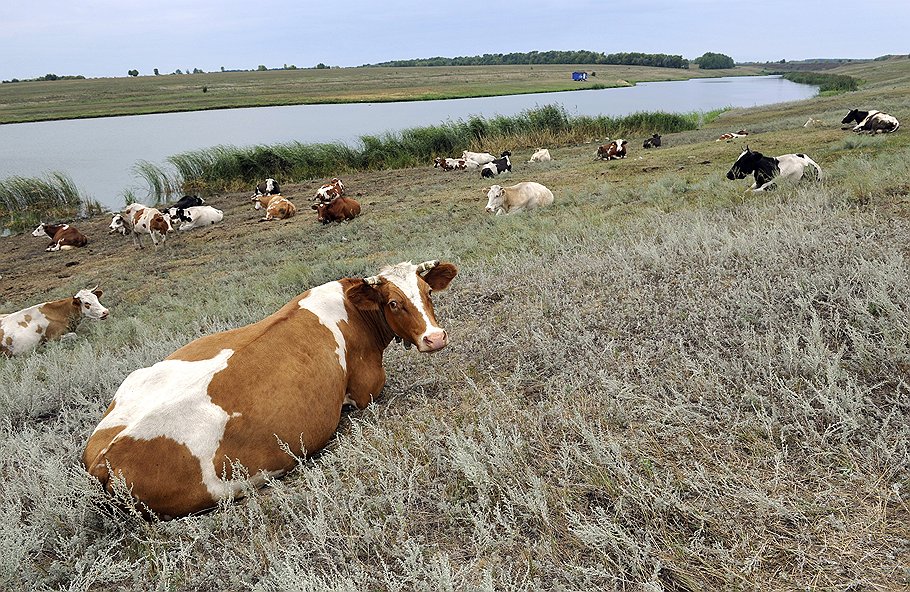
26,201
833,83
224,168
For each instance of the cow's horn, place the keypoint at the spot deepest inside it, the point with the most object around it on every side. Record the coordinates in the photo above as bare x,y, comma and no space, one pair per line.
427,265
373,280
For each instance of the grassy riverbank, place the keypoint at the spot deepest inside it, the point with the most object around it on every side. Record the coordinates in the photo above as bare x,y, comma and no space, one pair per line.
659,383
103,97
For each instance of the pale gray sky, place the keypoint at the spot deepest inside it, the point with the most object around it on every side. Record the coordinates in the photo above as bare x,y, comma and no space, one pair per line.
109,37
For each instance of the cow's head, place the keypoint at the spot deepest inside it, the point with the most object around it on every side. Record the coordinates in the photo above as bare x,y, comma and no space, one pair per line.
118,224
505,154
494,198
39,231
320,208
437,162
852,116
402,294
87,302
262,201
744,165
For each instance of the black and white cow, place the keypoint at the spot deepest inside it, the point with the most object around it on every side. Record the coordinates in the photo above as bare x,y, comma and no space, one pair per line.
768,170
267,187
184,219
189,201
652,142
873,121
498,166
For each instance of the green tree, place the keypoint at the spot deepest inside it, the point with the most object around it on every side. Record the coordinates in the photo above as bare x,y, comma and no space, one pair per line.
261,68
156,72
222,68
321,66
133,72
714,61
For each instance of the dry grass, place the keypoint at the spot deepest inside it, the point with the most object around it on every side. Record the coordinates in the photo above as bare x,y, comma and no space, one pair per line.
656,384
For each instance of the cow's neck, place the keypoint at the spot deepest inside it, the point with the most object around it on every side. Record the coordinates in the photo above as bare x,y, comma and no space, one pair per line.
375,325
63,317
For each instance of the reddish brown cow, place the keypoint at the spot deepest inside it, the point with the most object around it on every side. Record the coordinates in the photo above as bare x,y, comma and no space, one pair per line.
614,150
339,210
176,431
63,236
330,191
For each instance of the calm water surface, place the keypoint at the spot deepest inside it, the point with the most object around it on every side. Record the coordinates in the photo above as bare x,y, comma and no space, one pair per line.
99,154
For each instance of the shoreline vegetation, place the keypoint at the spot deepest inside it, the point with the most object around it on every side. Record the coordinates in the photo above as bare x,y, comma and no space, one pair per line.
144,95
24,202
231,168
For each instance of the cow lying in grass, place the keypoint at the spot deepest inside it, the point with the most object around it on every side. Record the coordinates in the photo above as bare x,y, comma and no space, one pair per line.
275,206
540,155
63,236
612,151
260,396
184,219
517,198
873,121
339,210
26,329
768,170
330,191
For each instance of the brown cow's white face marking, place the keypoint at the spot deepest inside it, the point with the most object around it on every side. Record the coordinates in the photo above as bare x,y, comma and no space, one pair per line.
39,231
171,400
428,336
90,305
327,303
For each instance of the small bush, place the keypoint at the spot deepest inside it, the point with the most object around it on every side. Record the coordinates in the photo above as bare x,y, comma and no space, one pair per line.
825,82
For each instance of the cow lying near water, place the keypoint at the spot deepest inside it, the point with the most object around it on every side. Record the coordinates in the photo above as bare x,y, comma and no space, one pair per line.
768,170
26,329
63,236
262,395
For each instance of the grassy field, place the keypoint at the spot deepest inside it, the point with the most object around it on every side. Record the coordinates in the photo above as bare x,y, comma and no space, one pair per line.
659,383
102,97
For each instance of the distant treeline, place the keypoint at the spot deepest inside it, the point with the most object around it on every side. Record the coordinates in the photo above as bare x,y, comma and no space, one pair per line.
825,82
660,60
46,77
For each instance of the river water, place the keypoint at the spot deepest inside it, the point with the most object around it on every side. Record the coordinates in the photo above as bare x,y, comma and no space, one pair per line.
99,154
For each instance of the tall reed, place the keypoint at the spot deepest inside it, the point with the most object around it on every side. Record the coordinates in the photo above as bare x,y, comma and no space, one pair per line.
26,201
225,168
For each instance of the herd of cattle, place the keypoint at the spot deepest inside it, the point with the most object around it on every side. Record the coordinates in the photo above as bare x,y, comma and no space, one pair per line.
174,430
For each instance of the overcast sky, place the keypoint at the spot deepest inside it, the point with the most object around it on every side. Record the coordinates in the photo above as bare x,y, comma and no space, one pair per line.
109,37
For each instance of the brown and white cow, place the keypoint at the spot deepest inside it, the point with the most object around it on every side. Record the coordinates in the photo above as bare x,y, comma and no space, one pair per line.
276,207
63,236
175,431
729,136
330,191
450,164
24,330
339,210
614,150
137,219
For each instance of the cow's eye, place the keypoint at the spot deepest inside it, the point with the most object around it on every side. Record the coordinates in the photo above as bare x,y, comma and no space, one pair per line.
87,305
393,304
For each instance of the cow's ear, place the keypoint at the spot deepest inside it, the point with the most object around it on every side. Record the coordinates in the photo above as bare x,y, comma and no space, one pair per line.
98,293
439,277
364,296
76,302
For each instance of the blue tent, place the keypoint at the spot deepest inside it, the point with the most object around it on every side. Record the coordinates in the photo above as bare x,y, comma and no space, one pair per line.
579,76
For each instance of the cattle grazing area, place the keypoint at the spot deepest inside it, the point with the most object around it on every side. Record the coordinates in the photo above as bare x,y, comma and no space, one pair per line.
656,382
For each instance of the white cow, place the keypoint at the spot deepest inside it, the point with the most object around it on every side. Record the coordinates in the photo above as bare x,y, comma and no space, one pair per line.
516,198
542,155
480,158
194,217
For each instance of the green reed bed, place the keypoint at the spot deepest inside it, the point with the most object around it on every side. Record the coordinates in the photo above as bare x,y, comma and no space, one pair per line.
223,168
833,83
27,201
